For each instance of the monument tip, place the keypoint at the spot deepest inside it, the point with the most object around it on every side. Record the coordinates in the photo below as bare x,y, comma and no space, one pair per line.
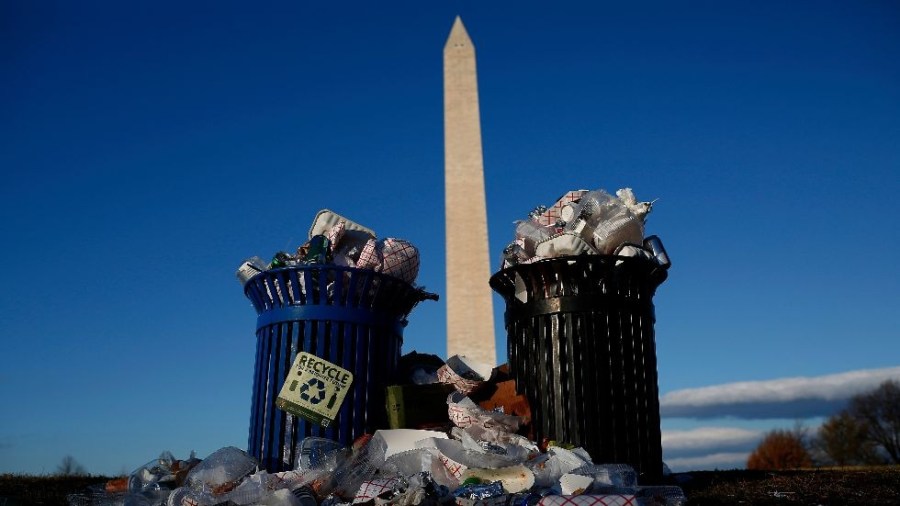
458,34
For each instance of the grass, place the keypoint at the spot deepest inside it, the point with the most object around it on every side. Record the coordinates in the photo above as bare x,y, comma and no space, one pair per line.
826,487
17,489
823,486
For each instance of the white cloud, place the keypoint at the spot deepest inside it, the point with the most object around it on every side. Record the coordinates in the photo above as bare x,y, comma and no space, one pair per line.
724,460
799,397
706,440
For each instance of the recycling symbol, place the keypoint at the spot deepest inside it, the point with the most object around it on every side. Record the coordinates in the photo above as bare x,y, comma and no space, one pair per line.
318,385
315,389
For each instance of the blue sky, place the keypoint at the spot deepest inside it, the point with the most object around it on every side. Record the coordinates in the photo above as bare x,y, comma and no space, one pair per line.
148,147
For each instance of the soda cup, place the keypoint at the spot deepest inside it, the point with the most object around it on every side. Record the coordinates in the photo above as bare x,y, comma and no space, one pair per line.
655,246
251,267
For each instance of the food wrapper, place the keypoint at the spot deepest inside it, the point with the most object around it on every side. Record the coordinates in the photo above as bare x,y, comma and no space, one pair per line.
336,234
400,259
513,478
370,256
372,489
466,374
588,500
555,213
326,219
464,412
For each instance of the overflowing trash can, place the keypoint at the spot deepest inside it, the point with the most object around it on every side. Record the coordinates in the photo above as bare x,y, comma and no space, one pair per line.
581,348
331,336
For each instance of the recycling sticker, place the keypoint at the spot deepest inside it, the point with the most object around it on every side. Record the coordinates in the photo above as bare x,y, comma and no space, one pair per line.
314,389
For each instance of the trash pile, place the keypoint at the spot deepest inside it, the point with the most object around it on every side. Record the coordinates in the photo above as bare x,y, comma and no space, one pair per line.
470,455
458,432
583,222
336,240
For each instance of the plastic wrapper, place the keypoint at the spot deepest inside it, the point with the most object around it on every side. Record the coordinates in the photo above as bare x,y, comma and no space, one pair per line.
420,460
221,471
480,490
530,233
361,466
516,447
549,467
639,209
155,480
317,453
457,459
418,489
280,497
495,442
605,222
409,462
619,475
253,489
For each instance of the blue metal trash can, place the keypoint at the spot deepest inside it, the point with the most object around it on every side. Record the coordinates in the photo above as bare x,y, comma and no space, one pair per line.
353,318
582,349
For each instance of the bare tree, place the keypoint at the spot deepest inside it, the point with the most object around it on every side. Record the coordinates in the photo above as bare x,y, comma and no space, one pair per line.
781,449
879,413
844,441
70,467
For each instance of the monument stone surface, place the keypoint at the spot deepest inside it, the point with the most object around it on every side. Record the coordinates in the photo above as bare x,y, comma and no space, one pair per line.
470,312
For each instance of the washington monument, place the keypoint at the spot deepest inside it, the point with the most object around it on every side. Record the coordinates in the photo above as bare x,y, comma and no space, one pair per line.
470,314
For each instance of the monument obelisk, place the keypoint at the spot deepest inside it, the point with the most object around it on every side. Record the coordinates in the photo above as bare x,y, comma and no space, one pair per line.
470,312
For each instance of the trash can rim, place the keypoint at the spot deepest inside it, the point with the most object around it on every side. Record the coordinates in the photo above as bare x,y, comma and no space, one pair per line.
578,258
647,267
423,295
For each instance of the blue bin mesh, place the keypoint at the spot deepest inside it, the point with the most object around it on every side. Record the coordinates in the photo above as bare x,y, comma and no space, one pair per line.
351,317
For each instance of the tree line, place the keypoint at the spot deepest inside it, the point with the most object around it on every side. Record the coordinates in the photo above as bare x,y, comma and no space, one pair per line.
866,432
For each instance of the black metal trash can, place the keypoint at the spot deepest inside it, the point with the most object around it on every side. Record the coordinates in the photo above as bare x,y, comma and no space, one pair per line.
581,347
353,318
